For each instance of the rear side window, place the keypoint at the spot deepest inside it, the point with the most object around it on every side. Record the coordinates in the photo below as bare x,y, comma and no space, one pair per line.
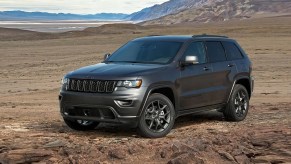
215,52
196,49
232,51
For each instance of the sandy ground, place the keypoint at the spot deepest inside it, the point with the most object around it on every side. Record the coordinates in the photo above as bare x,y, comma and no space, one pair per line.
32,129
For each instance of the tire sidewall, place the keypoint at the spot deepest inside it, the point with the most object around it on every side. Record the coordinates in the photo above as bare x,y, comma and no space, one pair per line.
144,130
238,88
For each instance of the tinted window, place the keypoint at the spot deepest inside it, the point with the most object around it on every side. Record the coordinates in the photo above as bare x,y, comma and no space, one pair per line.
215,52
232,51
146,52
196,49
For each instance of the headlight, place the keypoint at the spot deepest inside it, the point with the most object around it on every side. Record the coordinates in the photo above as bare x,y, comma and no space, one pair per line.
64,80
129,83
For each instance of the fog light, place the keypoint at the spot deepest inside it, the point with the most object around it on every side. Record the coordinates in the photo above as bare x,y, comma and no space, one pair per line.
124,102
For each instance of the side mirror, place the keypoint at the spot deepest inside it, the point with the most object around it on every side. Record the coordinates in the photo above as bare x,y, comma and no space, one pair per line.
190,60
106,56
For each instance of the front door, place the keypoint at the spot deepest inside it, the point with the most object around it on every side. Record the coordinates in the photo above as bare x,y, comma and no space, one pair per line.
195,79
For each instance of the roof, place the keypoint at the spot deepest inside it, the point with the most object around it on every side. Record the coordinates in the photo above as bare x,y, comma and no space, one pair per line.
180,38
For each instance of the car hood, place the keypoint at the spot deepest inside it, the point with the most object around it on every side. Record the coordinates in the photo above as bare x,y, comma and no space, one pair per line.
114,70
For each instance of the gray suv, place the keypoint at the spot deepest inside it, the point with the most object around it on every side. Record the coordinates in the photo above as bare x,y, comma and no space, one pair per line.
151,81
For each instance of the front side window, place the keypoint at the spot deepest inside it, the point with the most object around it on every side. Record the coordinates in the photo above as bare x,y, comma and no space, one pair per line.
215,52
232,52
196,49
156,52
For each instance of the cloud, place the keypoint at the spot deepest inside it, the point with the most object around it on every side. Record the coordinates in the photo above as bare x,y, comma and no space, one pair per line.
78,6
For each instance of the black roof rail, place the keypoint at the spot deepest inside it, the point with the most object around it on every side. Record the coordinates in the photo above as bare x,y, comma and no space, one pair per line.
206,35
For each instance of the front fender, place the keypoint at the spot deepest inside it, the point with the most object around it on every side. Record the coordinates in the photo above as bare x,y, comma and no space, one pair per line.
156,86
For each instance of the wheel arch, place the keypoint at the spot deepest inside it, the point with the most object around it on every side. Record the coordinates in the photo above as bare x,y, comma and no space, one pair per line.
244,81
166,90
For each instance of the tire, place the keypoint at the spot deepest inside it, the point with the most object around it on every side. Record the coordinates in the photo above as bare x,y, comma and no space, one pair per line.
81,125
158,117
238,106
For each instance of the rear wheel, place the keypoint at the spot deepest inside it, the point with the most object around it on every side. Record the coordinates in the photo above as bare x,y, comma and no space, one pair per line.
158,117
238,105
81,125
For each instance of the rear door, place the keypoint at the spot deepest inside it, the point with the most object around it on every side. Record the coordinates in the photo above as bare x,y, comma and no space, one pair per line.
234,57
223,72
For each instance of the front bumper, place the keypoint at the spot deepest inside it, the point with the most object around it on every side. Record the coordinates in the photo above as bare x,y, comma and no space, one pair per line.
103,107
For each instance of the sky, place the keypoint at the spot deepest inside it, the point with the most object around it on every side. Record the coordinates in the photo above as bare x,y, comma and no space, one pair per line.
78,6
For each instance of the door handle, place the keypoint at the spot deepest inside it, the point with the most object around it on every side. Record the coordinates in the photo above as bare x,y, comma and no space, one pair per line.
230,65
206,69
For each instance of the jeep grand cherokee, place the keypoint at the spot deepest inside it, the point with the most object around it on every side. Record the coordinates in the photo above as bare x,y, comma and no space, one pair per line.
151,81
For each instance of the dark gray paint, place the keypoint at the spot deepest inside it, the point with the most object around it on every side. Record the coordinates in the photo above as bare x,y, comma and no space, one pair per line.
195,87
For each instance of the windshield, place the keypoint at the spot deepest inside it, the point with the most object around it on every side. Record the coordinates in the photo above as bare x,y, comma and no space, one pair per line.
159,52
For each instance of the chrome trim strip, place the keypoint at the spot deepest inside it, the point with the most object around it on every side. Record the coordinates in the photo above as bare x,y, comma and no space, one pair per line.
231,90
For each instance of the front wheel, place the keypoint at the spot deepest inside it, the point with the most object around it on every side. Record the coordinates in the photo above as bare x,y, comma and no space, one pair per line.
81,125
238,105
158,117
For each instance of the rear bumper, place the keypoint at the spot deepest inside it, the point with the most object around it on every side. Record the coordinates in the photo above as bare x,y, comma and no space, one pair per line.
102,107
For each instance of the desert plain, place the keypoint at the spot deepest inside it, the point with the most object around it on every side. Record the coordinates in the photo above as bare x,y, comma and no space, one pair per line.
32,65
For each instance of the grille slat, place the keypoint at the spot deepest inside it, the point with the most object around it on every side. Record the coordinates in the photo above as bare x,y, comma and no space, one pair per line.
101,86
79,85
110,86
91,86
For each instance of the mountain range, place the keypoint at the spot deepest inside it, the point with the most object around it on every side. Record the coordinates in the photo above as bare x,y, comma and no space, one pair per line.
174,12
224,10
22,15
169,7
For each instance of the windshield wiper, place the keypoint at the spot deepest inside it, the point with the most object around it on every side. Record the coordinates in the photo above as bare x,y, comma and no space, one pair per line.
121,62
136,62
108,61
132,62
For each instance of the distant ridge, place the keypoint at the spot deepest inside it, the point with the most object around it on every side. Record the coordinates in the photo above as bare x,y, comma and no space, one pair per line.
169,7
223,10
23,15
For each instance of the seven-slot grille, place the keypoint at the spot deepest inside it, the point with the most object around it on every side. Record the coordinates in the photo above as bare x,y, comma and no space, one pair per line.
94,86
